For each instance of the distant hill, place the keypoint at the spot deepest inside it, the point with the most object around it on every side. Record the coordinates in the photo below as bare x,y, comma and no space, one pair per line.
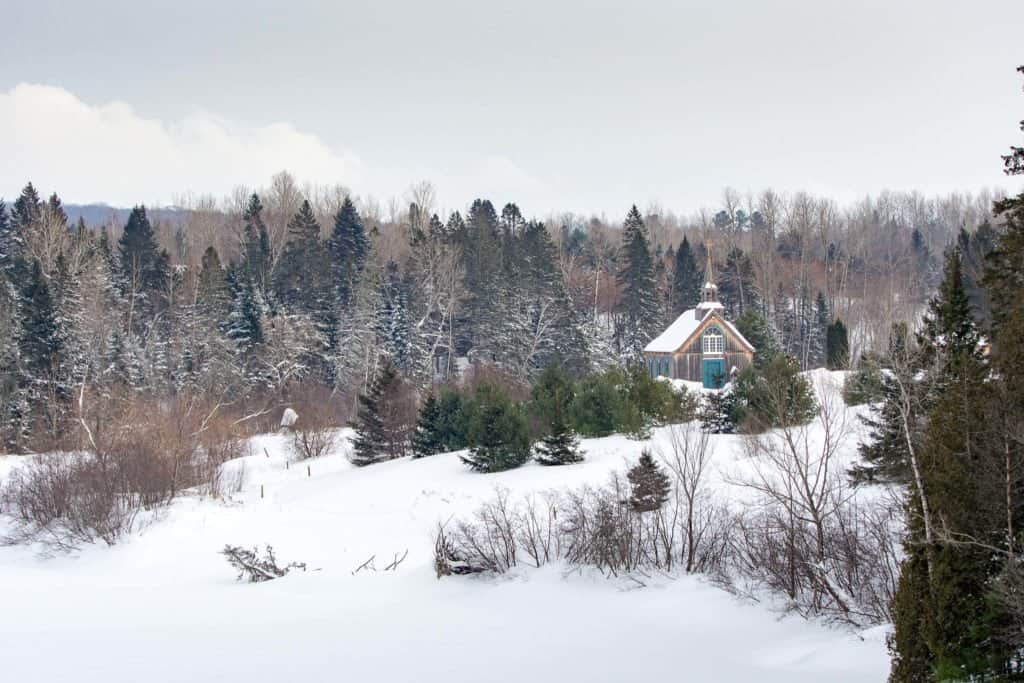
96,215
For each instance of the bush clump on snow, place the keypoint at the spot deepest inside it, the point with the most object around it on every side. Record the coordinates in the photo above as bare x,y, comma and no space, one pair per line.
255,566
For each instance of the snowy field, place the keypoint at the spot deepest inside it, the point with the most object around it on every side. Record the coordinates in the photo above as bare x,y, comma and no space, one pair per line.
164,605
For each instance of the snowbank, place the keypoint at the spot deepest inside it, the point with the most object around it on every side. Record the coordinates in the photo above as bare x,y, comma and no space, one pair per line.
164,606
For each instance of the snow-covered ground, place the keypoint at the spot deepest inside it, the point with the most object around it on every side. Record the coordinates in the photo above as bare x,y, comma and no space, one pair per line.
164,605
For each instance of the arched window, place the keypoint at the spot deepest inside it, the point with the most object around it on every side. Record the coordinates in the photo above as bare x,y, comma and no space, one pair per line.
713,341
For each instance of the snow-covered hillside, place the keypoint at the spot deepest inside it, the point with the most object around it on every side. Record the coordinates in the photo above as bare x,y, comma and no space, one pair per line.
164,605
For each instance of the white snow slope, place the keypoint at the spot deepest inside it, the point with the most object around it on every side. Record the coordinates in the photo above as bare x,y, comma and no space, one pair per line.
163,605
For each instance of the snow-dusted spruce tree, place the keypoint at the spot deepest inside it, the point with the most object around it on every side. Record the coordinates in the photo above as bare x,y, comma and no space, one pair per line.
383,419
649,485
638,312
718,412
428,438
560,446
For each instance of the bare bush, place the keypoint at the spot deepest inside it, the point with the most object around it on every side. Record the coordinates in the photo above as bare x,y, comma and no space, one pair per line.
149,454
256,567
314,434
806,536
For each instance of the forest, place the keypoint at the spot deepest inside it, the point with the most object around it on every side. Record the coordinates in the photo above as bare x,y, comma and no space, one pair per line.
281,294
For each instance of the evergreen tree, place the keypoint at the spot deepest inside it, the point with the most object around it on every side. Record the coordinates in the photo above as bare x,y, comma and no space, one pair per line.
212,290
497,433
686,280
348,248
428,439
27,210
756,330
776,395
256,258
300,276
649,485
560,446
395,329
639,320
837,346
377,437
143,269
243,324
11,243
946,628
718,412
42,386
818,342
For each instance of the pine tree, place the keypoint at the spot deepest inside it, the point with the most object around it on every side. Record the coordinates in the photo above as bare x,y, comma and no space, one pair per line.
428,439
639,320
837,346
42,387
11,243
348,248
143,269
380,433
560,446
299,278
497,433
947,628
756,330
212,292
686,280
256,257
718,412
650,486
395,329
374,440
27,210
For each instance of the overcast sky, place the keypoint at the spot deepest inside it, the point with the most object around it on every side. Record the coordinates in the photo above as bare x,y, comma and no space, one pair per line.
583,106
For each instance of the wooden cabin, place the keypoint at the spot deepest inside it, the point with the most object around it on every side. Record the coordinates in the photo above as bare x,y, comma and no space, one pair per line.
701,345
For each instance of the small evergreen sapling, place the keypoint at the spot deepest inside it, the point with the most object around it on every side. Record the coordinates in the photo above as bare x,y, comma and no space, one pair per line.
561,445
718,413
650,487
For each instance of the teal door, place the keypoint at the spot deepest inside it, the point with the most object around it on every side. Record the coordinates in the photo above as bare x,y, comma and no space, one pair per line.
713,373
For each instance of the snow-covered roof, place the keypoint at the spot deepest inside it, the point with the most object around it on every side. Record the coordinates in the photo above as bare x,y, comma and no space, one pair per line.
676,334
680,331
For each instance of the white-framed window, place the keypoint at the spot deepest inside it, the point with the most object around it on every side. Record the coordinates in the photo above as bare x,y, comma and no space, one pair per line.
713,341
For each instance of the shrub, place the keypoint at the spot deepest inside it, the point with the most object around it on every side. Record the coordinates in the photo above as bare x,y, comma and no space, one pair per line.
139,459
453,417
718,412
498,435
864,385
314,433
776,395
597,407
649,486
553,392
255,567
